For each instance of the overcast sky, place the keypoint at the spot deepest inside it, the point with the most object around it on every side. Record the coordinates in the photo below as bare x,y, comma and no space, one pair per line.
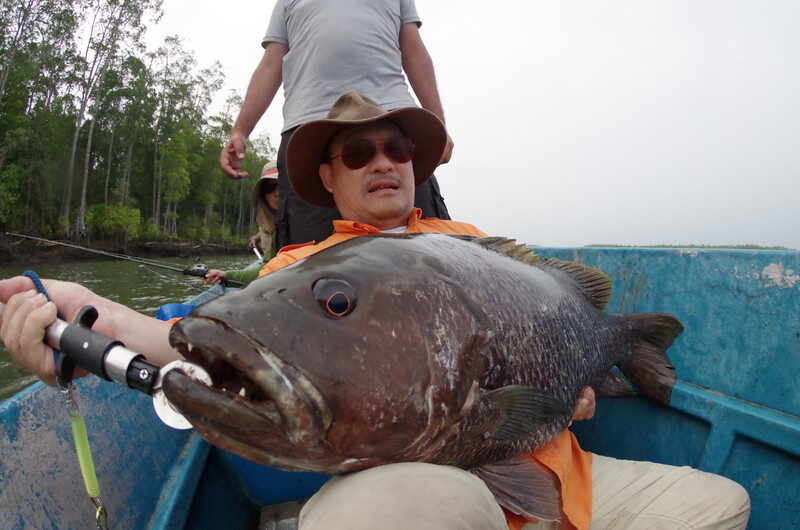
630,122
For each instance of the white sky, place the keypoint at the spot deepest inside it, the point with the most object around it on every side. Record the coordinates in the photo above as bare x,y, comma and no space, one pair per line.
630,122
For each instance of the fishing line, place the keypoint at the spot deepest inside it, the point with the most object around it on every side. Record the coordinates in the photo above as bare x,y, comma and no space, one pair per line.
154,263
198,270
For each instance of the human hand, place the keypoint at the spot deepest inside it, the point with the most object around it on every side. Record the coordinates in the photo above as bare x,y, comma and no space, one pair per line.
215,276
230,159
255,242
448,151
25,314
584,409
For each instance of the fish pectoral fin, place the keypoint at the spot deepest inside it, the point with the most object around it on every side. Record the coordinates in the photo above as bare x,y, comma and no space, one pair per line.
614,386
522,487
524,409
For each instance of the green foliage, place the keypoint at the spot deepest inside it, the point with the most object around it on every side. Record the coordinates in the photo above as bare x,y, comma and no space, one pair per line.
149,231
9,199
201,234
151,158
115,221
62,227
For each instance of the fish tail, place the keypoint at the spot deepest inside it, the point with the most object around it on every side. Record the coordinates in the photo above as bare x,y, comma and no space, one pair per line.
649,368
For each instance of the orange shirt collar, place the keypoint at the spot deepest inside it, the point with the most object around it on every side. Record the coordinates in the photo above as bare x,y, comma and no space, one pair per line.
355,228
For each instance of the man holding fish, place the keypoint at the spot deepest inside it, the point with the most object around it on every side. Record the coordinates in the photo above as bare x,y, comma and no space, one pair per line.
367,162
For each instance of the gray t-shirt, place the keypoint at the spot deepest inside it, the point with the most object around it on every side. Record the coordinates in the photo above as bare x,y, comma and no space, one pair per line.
336,46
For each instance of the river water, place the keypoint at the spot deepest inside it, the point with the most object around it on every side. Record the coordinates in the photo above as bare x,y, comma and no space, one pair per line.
144,289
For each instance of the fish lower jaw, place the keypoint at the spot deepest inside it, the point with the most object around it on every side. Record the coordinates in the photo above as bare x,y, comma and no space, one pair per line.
275,450
255,378
328,465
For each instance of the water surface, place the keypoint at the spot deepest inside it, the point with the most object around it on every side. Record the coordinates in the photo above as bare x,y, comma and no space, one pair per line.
142,288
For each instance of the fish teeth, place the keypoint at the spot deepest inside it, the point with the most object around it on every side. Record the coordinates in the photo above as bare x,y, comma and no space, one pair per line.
242,392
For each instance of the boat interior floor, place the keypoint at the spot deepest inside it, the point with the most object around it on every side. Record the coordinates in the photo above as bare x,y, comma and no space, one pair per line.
281,516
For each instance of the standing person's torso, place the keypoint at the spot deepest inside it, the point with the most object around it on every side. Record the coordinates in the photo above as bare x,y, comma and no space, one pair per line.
336,46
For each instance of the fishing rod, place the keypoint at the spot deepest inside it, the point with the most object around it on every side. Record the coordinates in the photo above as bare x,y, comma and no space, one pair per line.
198,269
189,284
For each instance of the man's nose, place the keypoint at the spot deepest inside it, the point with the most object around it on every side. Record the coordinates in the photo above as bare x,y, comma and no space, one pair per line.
382,163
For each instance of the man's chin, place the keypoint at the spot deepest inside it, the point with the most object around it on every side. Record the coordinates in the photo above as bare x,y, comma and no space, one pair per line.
386,216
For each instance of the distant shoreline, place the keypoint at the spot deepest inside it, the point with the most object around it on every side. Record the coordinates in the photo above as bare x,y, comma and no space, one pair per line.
13,250
16,250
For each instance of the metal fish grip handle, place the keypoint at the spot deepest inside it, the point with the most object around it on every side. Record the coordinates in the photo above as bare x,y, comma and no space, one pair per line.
110,359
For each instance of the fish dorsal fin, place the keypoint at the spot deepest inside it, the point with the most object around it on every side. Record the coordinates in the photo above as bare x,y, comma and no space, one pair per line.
510,247
594,283
523,488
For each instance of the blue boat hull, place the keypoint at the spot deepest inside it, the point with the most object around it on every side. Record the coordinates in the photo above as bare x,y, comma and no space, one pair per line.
151,476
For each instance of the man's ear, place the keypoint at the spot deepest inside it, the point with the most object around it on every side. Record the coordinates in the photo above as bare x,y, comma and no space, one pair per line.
326,174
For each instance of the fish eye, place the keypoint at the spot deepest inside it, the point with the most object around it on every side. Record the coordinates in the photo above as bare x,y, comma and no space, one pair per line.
336,297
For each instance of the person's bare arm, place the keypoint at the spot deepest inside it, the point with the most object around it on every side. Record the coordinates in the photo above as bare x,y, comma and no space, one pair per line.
418,66
24,315
263,86
584,409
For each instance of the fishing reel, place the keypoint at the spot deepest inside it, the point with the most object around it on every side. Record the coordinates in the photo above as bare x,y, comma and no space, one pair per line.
201,270
198,269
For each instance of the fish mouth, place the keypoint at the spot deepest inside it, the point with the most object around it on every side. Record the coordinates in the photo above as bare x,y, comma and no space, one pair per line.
254,395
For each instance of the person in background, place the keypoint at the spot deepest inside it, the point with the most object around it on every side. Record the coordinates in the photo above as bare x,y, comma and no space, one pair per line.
320,49
265,196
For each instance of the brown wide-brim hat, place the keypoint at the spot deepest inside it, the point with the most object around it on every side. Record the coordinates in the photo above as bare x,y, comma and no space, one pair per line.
306,149
268,173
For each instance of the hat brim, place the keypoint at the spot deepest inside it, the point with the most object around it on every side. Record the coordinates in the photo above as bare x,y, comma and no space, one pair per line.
256,193
306,149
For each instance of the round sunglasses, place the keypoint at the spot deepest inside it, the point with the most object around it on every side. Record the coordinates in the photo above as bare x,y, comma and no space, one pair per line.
358,153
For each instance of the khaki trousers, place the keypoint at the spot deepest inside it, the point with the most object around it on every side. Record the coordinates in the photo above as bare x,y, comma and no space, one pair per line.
408,496
626,495
630,495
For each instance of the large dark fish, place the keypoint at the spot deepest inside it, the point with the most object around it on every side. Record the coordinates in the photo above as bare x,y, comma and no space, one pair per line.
424,347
